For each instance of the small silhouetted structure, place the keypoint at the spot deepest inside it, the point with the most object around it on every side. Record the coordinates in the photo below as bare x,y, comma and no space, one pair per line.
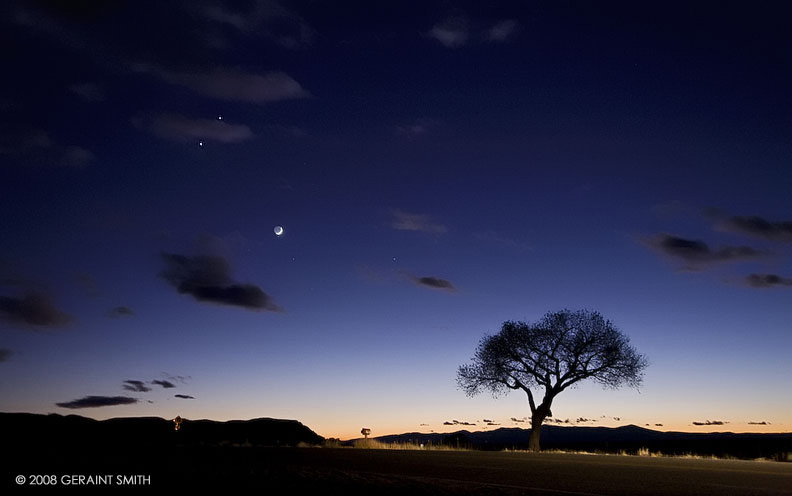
365,431
177,423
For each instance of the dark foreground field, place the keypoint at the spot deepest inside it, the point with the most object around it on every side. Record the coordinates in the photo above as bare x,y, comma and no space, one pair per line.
358,471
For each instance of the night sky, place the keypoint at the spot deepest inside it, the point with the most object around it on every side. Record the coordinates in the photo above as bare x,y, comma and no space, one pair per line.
437,168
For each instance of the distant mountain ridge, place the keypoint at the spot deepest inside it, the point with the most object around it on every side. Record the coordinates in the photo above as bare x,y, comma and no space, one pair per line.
53,429
629,438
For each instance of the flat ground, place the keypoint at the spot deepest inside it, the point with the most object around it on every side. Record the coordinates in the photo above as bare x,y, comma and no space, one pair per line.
356,471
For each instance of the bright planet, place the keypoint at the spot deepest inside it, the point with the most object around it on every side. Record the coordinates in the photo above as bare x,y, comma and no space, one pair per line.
278,230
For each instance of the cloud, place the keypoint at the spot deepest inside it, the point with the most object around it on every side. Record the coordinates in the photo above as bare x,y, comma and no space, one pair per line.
452,33
457,422
767,281
502,31
184,396
97,401
77,156
265,18
234,85
711,422
136,386
207,278
515,419
763,422
432,282
165,384
5,354
182,379
695,251
417,128
759,227
404,221
90,92
180,128
36,147
658,425
121,311
34,309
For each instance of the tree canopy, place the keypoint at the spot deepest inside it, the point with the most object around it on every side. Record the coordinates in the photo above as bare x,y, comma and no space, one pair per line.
561,349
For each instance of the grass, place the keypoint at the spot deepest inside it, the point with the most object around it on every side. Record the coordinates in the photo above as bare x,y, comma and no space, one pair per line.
644,452
374,444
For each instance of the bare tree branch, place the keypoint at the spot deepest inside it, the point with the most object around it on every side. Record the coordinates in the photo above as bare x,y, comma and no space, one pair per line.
559,350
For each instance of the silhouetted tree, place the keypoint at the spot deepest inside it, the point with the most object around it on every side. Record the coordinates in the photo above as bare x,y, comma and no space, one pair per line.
561,349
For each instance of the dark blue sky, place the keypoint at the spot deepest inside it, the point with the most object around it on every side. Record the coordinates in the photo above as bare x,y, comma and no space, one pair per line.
437,169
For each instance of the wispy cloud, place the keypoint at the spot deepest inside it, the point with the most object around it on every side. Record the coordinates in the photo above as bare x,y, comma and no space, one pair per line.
710,422
431,282
34,309
184,396
458,31
180,128
502,31
97,401
405,221
121,311
763,422
165,384
234,84
417,128
457,422
698,252
136,386
767,281
90,92
207,279
267,18
452,32
36,147
759,227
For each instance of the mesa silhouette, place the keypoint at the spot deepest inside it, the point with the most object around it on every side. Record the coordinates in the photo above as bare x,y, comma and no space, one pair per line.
27,430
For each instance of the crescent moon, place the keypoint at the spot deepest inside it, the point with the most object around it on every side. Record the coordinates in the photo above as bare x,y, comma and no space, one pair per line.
278,230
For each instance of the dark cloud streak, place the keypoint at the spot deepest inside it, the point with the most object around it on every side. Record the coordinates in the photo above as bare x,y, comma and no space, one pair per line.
760,227
767,281
165,384
695,251
97,401
136,386
207,279
711,422
33,309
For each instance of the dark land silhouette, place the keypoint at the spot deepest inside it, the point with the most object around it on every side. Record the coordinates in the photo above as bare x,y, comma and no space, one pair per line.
629,439
283,455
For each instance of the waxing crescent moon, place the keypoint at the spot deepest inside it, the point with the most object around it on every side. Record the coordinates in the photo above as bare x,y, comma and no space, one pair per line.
278,230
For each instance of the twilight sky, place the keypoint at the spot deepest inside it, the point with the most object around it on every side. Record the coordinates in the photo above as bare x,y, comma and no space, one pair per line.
437,167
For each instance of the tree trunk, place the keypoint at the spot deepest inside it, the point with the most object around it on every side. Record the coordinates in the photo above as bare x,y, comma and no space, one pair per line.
533,441
537,419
